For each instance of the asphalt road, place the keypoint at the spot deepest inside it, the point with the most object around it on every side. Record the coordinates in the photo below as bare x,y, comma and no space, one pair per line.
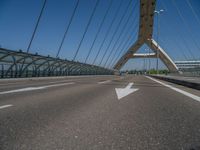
84,113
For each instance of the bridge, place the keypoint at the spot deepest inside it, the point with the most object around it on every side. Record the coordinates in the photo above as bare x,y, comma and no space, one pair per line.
25,64
62,80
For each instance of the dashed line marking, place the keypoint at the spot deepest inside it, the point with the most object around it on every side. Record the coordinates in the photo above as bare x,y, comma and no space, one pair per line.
15,83
5,106
34,88
103,82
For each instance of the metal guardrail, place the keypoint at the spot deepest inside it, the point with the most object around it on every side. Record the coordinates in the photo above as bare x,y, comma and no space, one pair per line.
14,64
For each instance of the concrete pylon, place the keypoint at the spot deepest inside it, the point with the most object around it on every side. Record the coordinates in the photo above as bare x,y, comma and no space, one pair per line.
147,8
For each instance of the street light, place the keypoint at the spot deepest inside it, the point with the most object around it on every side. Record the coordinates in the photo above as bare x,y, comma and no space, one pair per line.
144,69
158,12
148,51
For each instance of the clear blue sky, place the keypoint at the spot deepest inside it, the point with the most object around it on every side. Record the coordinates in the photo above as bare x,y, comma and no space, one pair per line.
18,18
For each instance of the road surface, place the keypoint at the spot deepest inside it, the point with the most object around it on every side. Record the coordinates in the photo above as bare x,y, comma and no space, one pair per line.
85,113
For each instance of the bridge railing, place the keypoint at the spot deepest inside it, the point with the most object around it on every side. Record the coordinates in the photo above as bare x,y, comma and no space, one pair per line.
21,64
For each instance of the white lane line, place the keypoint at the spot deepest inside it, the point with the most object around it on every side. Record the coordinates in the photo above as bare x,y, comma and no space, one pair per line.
40,82
103,82
195,97
61,81
34,88
5,106
54,85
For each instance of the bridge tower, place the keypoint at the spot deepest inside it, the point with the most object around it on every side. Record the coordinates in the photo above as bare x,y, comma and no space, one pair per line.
147,9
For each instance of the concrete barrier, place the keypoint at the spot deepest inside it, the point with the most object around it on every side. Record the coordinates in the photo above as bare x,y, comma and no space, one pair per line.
182,82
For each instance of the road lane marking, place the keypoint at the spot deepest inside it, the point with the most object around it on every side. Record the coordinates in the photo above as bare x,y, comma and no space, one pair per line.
5,106
54,85
103,82
122,92
34,88
14,83
59,81
195,97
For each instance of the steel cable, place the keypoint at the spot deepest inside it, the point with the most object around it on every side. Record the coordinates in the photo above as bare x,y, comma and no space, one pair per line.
36,26
108,31
67,29
115,32
184,41
120,35
127,44
133,31
193,11
88,24
187,26
99,29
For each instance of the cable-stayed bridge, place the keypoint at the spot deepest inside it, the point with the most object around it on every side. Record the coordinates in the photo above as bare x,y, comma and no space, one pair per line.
63,85
138,19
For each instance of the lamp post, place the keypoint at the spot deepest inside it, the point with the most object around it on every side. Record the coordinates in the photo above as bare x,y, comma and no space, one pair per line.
143,70
158,12
148,55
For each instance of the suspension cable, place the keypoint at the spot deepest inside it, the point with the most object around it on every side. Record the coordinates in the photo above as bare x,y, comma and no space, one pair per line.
88,24
68,26
122,43
108,31
115,32
120,51
127,44
120,35
34,32
184,44
167,39
187,26
36,26
99,29
179,48
183,39
193,11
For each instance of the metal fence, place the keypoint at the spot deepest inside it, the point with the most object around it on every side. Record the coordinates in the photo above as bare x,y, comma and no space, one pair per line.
14,64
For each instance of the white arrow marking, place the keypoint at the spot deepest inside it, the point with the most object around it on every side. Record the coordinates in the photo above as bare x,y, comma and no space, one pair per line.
122,92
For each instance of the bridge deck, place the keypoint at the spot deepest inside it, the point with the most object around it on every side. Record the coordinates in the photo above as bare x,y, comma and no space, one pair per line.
84,113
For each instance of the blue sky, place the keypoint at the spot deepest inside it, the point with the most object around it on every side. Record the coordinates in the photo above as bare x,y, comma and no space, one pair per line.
18,18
